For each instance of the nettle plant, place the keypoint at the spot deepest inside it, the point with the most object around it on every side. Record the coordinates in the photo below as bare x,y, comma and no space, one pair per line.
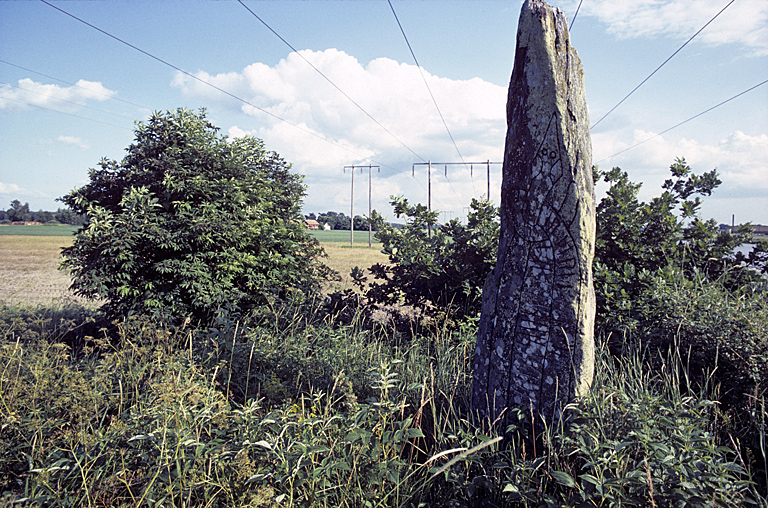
190,222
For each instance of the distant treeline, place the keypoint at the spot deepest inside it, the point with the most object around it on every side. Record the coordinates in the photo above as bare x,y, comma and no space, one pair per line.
338,220
21,213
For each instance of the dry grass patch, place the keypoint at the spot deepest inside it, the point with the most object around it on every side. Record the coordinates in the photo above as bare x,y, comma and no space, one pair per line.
343,258
28,270
29,274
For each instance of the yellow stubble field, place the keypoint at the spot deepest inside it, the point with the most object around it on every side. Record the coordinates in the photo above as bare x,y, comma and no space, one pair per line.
29,274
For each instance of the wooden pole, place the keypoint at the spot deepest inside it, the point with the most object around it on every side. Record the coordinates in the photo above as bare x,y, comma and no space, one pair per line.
429,195
488,178
370,226
352,211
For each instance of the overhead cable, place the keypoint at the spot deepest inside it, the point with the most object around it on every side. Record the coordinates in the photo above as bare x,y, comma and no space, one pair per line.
329,81
662,64
421,72
574,16
424,78
685,121
210,84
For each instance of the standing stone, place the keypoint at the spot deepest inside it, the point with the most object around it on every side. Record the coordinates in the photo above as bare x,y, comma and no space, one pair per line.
535,344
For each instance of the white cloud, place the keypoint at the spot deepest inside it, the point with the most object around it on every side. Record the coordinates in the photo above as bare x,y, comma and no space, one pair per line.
10,188
395,95
741,161
29,93
744,22
391,92
72,140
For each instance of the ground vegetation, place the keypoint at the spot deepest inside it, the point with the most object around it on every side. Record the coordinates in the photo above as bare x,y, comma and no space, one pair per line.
300,402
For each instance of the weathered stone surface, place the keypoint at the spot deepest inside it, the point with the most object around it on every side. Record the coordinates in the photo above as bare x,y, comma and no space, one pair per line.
535,345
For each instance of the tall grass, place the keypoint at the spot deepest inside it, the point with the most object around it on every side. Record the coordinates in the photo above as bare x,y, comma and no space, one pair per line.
288,408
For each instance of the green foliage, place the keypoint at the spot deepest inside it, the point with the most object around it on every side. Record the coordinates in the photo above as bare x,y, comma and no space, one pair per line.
636,241
18,212
190,222
292,406
289,410
67,216
444,271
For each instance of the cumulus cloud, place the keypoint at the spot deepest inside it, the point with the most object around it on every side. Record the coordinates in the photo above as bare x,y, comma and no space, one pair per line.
10,188
740,160
327,132
29,93
744,22
72,140
324,131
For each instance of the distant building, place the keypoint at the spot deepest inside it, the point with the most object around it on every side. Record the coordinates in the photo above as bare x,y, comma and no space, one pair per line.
757,229
327,226
312,224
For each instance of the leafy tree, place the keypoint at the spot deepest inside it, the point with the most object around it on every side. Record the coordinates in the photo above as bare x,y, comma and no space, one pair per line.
190,222
361,223
18,212
445,271
42,216
329,218
637,241
67,216
342,222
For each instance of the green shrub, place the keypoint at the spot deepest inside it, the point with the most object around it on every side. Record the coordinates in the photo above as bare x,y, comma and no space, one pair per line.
441,272
637,241
190,222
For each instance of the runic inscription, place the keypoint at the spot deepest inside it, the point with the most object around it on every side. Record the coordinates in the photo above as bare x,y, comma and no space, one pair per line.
535,346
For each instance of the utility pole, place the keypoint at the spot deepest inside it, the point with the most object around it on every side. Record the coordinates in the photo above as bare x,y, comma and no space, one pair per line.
429,195
446,164
488,179
352,203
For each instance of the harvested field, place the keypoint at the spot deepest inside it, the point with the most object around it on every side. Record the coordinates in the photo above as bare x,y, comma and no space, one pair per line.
29,274
343,258
28,271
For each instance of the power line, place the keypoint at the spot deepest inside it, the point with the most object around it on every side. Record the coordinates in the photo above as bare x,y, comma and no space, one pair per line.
421,72
329,81
574,16
73,84
662,64
685,121
209,84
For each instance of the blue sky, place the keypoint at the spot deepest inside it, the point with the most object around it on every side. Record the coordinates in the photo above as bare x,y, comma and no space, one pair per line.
51,132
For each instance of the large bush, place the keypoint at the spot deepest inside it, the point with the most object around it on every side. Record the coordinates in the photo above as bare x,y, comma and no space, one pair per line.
189,222
444,270
637,242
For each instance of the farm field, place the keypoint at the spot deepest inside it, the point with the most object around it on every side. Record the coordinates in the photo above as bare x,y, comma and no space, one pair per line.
29,256
28,273
43,230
